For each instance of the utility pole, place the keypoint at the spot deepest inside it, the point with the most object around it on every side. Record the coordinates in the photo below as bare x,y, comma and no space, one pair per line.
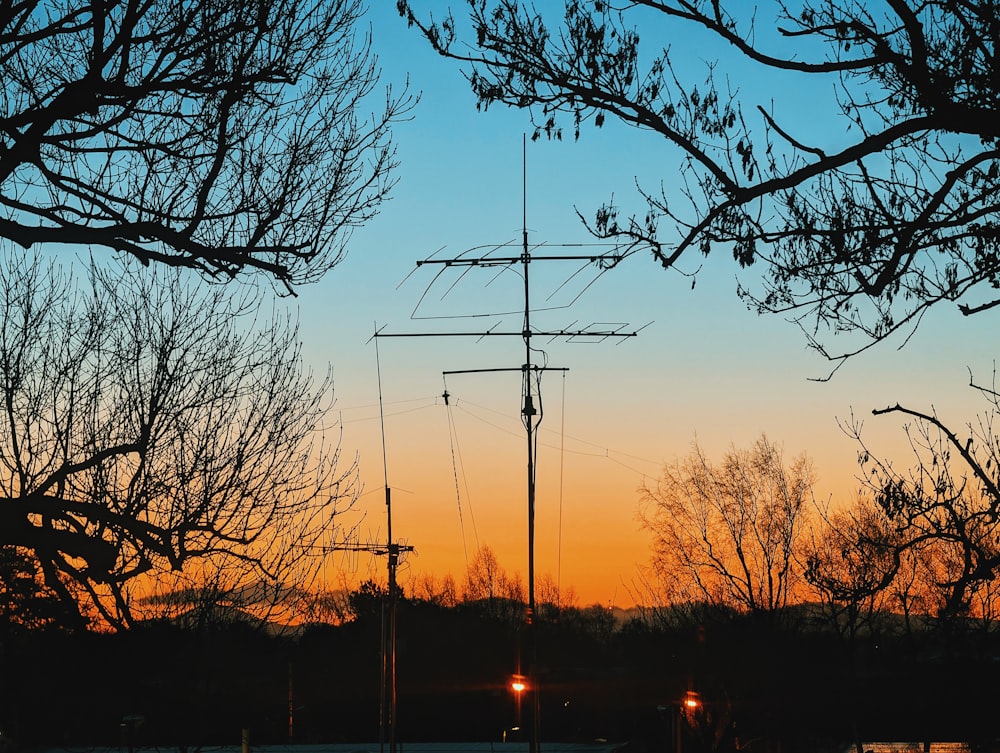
531,415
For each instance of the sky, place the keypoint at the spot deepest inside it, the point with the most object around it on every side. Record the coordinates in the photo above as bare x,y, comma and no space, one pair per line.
701,368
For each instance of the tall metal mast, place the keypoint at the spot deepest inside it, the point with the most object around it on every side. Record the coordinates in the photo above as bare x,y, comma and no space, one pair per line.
530,390
528,413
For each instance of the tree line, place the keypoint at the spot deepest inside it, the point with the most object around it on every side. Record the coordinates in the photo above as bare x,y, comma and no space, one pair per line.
799,682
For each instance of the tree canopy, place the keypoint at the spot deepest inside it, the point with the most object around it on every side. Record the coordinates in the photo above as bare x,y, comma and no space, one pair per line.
197,133
862,234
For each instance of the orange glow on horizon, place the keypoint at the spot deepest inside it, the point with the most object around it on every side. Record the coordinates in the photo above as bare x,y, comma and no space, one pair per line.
589,541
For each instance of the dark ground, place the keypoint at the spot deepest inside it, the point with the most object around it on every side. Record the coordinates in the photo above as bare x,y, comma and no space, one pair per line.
761,689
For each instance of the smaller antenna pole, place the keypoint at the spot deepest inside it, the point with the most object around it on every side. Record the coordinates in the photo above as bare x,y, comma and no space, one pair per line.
387,679
392,555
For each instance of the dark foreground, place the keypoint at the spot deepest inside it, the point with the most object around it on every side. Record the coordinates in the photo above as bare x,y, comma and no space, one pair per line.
760,688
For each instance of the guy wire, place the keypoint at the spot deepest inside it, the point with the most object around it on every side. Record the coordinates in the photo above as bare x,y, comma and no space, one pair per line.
381,417
455,461
562,456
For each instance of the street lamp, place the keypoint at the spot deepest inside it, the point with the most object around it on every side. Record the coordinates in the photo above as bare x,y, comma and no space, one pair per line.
678,714
518,685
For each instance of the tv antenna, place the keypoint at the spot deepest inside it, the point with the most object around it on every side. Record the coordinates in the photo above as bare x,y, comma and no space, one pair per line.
531,414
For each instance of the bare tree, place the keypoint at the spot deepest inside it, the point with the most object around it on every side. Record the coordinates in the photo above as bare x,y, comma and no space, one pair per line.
850,563
197,133
863,228
945,507
443,592
490,586
911,594
152,427
552,599
726,535
327,606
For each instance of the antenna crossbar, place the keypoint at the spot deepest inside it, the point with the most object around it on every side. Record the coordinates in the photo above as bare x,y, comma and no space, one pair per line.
506,261
526,367
533,333
375,549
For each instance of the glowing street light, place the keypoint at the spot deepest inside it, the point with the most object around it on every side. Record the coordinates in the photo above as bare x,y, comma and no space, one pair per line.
679,713
518,684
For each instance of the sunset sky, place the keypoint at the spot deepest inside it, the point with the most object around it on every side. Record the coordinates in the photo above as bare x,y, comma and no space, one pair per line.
704,368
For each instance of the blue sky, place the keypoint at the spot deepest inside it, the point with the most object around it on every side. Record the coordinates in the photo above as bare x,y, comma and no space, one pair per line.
705,368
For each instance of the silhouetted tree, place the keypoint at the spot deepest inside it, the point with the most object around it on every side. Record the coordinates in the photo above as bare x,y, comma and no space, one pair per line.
198,133
850,563
552,599
489,586
944,509
596,621
326,606
158,436
725,535
862,226
443,593
25,601
367,602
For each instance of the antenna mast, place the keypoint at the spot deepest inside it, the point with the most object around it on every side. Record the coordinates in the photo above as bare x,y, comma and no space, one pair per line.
530,396
528,414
